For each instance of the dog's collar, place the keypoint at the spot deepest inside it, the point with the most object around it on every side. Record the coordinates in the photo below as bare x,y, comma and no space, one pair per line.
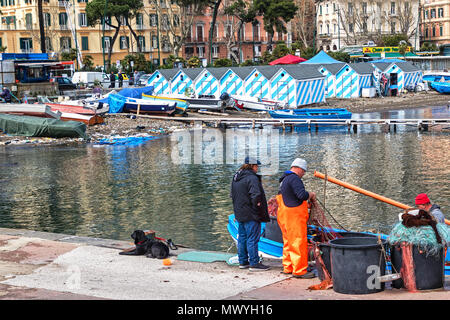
141,242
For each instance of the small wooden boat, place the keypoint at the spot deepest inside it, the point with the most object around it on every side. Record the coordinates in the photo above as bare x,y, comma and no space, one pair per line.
255,104
90,120
181,106
67,108
35,110
441,87
273,247
149,106
322,114
206,102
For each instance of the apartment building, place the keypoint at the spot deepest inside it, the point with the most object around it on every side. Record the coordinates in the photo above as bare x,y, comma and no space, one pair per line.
19,30
357,22
226,42
435,22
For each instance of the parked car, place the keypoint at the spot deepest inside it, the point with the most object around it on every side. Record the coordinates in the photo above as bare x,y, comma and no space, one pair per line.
88,78
144,79
64,84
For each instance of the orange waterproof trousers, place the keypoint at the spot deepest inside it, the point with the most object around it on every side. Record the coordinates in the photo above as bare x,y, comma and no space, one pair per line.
293,225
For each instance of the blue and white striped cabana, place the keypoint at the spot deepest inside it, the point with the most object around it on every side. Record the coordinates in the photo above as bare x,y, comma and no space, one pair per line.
161,80
206,84
330,71
180,83
347,83
231,83
257,83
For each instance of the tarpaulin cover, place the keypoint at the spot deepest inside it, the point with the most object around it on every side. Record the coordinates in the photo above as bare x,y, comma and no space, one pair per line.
41,127
116,103
126,141
136,92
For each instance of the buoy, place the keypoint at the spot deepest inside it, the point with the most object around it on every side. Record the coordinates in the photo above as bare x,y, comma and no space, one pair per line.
167,262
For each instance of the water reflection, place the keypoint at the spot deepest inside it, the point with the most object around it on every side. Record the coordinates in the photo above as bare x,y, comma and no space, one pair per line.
110,191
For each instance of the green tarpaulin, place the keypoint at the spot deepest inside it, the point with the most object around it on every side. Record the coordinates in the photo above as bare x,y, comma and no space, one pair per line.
41,127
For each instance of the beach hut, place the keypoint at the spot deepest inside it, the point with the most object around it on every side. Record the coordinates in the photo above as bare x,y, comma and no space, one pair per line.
412,74
364,71
310,86
347,83
257,83
330,71
181,83
231,83
282,87
160,80
394,75
205,84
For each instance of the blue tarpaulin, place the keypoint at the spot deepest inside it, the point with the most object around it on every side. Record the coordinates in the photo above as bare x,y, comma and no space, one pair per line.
116,103
127,141
321,58
136,92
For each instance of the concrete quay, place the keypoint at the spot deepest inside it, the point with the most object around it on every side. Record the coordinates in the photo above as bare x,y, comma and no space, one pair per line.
48,266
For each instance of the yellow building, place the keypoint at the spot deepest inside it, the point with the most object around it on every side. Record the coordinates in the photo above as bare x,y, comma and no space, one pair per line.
19,30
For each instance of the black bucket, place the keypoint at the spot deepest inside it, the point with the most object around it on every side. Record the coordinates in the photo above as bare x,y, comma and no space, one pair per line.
356,262
429,270
272,230
325,251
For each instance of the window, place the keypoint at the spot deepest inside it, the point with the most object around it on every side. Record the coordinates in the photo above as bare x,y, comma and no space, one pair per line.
350,27
433,31
364,7
441,31
26,44
256,32
200,52
139,20
65,43
84,43
258,51
47,19
425,14
328,28
82,19
154,42
176,20
392,7
153,20
63,19
124,42
165,22
320,10
392,27
29,21
350,8
106,43
141,41
85,1
433,13
199,32
188,50
215,51
440,12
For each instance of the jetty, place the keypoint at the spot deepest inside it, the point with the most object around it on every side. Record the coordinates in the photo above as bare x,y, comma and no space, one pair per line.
255,122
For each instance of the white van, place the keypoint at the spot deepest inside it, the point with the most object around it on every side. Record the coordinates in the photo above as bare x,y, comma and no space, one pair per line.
88,78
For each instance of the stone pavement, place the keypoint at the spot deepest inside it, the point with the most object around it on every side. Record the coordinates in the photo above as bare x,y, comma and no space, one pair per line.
48,266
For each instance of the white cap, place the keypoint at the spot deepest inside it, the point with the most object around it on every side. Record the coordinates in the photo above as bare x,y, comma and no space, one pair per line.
301,163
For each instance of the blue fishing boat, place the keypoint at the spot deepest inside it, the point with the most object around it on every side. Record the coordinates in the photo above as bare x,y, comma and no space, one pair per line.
310,113
271,244
441,87
118,103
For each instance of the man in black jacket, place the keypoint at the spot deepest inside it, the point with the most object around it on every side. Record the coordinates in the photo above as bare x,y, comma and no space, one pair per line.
250,209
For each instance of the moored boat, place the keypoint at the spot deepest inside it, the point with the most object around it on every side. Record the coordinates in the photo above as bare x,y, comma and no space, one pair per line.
441,87
256,104
310,113
273,248
35,110
181,106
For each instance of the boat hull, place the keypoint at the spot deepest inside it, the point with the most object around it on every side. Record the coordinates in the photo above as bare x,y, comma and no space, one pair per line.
272,249
441,87
181,106
159,109
317,114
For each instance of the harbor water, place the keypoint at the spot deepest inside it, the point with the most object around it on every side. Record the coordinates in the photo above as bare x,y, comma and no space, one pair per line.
108,191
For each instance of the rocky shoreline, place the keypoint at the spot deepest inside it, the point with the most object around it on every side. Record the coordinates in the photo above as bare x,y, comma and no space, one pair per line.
125,125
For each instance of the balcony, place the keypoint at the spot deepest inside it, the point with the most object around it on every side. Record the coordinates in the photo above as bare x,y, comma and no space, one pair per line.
63,27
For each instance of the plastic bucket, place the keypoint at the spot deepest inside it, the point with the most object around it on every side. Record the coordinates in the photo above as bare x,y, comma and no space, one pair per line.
272,230
428,269
325,251
356,264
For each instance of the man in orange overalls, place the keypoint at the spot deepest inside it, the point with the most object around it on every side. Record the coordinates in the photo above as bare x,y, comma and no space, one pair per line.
292,218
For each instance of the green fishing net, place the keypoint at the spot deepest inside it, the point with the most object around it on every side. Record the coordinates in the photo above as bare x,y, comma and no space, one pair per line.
423,237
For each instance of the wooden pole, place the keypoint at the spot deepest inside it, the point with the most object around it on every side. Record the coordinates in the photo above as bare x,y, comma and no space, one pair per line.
365,192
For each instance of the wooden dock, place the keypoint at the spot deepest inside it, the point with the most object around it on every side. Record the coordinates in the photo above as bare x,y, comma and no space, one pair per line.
351,124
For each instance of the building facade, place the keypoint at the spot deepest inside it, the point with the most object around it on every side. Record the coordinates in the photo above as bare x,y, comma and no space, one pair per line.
19,30
226,43
435,21
349,23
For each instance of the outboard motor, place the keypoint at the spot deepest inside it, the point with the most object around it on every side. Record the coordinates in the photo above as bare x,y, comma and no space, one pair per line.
224,96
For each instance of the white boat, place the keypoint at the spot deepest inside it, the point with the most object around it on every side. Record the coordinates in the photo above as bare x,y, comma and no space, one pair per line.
207,102
254,103
36,110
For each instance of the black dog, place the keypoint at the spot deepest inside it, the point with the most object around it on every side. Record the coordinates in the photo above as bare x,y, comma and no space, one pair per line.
145,246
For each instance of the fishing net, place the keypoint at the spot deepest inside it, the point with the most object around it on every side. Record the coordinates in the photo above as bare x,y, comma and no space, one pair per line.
423,232
322,232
